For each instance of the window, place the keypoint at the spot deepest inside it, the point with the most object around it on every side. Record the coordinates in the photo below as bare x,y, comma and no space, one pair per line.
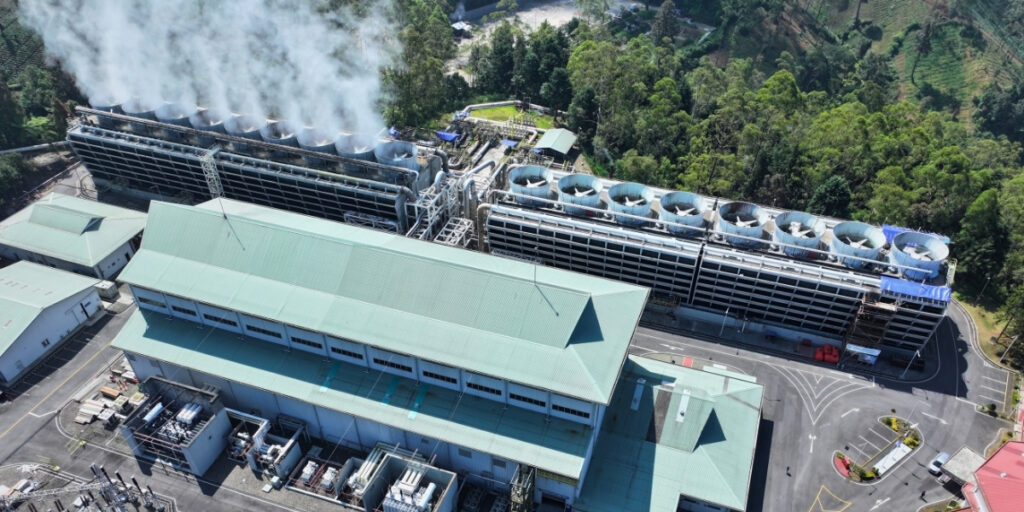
442,378
46,342
151,302
220,320
308,343
265,332
567,410
347,353
465,453
392,364
526,399
485,389
498,463
184,311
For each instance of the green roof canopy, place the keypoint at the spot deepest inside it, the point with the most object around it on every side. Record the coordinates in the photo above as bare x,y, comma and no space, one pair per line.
538,326
557,139
687,432
26,289
480,424
72,229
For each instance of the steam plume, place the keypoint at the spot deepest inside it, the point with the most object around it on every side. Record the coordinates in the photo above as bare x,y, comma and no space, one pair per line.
289,59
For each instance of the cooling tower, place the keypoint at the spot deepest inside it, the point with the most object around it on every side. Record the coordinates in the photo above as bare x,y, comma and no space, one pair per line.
107,104
209,120
684,208
633,199
137,107
280,132
580,189
857,239
315,140
398,154
244,126
744,219
920,254
530,180
176,114
801,230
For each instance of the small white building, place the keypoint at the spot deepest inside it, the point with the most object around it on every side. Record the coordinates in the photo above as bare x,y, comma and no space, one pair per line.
74,234
39,308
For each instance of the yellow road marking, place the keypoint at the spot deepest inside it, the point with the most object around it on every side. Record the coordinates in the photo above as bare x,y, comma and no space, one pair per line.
51,393
821,506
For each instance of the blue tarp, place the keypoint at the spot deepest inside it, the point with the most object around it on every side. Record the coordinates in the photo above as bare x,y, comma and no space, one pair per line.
927,291
447,136
509,143
890,232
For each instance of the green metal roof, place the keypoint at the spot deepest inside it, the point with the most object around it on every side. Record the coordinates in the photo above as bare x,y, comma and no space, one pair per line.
557,139
648,454
70,228
539,326
26,289
476,423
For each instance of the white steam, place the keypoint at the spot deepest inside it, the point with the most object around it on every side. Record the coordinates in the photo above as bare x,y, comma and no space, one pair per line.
274,58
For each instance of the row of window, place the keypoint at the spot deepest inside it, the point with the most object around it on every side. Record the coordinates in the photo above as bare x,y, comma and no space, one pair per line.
526,399
574,412
348,353
265,332
485,389
308,343
392,364
438,376
220,320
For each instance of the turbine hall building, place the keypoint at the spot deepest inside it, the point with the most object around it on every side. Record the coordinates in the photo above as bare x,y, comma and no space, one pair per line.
505,372
875,290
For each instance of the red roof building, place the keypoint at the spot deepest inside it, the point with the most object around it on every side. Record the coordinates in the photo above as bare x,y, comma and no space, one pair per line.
1000,481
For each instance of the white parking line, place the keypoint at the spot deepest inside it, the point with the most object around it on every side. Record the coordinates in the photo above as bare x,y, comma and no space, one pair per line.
870,443
886,439
1000,391
990,399
993,379
866,456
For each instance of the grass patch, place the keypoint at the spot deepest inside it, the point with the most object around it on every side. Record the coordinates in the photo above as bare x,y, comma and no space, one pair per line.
502,114
988,324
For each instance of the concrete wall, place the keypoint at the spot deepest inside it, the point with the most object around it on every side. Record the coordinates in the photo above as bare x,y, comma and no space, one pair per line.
49,329
209,445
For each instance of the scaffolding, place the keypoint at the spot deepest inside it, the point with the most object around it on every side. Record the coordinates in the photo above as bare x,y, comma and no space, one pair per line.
869,326
522,490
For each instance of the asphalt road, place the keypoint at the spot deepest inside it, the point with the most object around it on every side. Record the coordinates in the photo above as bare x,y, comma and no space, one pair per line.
809,411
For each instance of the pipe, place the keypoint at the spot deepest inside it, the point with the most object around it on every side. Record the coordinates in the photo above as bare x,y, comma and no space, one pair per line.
444,159
480,224
47,146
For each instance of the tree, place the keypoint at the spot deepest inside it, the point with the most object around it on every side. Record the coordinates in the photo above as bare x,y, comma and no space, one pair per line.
12,171
593,9
666,23
37,90
11,118
557,91
1001,111
499,66
40,130
982,242
832,198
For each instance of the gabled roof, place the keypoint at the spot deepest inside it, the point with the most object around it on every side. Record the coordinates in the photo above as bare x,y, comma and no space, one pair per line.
514,433
648,454
26,289
72,229
1001,478
557,139
534,325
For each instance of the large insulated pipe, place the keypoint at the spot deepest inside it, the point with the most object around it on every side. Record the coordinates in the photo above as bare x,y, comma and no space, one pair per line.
685,208
920,255
397,153
582,190
530,181
744,219
245,126
313,139
858,239
798,231
633,199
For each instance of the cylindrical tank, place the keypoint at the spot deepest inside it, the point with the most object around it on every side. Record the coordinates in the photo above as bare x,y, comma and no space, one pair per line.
176,114
106,104
280,132
245,126
745,219
857,239
799,229
920,254
209,120
581,189
530,181
143,109
397,153
633,199
684,208
315,140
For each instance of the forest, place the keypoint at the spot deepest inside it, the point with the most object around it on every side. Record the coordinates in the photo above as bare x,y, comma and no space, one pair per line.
888,111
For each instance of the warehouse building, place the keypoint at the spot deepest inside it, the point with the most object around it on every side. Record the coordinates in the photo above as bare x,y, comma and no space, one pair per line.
490,367
39,308
73,234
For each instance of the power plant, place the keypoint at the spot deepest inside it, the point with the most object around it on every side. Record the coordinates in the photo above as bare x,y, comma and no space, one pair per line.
760,270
